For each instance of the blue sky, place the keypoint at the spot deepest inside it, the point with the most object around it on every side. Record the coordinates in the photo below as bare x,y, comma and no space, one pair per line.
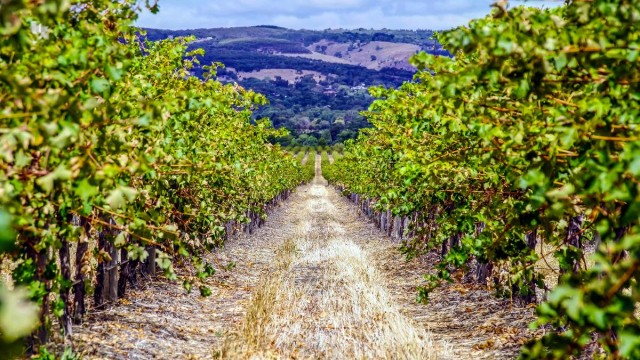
319,14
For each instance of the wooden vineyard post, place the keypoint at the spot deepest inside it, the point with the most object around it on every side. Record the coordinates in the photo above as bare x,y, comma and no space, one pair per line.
450,243
112,274
40,336
150,263
397,226
404,220
228,230
254,221
79,308
574,239
43,335
384,221
528,296
100,274
455,240
133,271
125,271
65,271
245,227
106,285
483,270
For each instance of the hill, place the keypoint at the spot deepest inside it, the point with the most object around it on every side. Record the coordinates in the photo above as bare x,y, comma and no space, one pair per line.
316,81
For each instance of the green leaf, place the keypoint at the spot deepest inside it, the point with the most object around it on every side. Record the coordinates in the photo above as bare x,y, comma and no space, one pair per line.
116,199
560,61
634,166
18,316
115,72
205,291
561,193
85,190
630,344
120,240
62,173
46,182
120,196
22,159
7,234
100,86
137,252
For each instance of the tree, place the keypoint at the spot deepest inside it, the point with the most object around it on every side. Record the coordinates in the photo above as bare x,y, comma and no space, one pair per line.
325,135
346,135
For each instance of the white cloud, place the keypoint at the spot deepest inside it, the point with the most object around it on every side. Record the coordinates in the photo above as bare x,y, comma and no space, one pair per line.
319,14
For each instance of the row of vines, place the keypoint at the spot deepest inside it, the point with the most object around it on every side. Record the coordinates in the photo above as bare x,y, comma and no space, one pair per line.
524,148
111,153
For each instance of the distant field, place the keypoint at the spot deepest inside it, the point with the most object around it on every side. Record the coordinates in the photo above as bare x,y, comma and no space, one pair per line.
290,75
322,57
373,55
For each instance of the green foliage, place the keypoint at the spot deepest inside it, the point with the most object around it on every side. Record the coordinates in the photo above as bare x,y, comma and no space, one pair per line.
308,140
324,158
18,318
530,130
309,168
270,35
306,106
100,127
44,354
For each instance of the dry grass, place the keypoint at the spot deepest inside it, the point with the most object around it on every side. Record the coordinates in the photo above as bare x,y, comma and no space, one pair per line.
373,55
161,321
315,282
6,269
549,266
292,76
322,57
325,299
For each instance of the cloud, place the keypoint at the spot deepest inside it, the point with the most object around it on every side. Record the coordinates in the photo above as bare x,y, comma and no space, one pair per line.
317,14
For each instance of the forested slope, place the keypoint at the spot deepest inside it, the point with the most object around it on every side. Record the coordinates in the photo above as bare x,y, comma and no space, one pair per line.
322,109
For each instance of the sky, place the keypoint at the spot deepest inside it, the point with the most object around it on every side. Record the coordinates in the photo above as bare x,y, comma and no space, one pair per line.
319,14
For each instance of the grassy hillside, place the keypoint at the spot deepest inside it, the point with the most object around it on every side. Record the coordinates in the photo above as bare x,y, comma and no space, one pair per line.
422,38
315,81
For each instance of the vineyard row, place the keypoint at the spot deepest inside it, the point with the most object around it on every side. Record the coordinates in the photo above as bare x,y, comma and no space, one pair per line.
522,152
116,163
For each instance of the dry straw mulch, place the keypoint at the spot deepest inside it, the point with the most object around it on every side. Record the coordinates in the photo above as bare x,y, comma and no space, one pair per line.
317,281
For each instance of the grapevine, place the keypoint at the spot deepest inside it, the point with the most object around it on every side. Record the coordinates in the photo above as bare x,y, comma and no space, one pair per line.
109,145
527,138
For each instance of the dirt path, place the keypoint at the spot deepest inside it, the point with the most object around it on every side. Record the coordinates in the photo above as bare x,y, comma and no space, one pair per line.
315,282
324,298
331,158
